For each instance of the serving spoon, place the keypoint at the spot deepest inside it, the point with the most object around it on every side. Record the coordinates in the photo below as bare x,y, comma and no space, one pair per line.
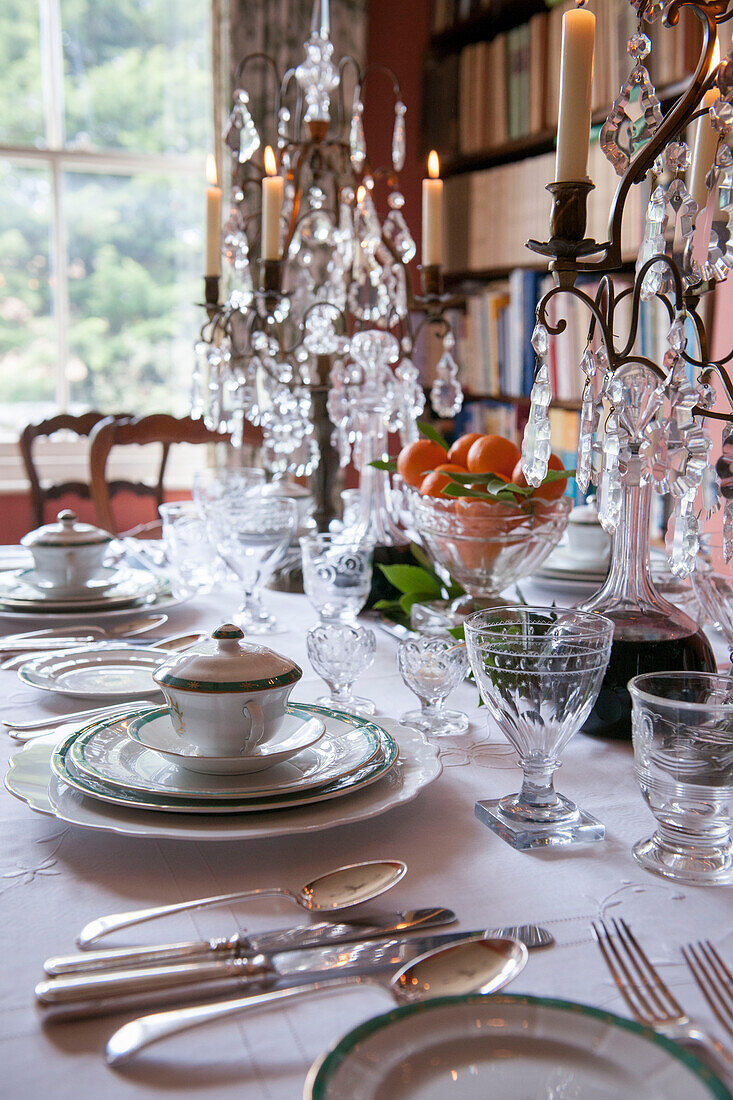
468,966
338,889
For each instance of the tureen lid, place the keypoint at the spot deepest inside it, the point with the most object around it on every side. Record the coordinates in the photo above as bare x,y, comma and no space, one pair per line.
224,662
66,531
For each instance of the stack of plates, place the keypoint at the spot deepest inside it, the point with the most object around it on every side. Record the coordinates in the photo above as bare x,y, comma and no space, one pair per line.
22,594
564,569
333,768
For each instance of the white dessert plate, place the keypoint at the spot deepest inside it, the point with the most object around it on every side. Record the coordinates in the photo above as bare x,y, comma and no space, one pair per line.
29,779
119,672
110,576
157,600
103,752
153,730
507,1047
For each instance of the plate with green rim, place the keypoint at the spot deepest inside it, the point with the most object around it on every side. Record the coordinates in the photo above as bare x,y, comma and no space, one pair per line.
376,769
104,753
507,1046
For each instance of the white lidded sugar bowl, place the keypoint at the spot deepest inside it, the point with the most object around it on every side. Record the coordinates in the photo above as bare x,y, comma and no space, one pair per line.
227,696
67,555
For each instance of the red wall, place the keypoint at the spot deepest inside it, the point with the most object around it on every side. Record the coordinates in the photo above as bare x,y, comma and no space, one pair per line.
16,517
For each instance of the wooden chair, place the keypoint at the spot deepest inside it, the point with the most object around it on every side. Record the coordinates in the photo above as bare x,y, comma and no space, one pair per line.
41,492
157,428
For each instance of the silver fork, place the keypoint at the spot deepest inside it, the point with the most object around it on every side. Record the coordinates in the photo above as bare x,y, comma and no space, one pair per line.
650,999
714,980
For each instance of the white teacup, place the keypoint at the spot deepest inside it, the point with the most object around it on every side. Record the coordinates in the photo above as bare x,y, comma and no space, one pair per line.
67,555
227,696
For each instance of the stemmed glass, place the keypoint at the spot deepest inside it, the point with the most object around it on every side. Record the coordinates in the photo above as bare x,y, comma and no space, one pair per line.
539,671
340,653
251,532
433,667
337,574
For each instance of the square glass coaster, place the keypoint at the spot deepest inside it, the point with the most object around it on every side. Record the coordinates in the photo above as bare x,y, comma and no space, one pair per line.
582,828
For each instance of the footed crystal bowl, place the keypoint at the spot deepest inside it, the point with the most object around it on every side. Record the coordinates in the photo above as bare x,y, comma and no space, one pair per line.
487,546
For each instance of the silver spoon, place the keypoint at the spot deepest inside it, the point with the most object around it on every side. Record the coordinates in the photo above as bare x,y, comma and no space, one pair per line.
468,966
27,730
335,890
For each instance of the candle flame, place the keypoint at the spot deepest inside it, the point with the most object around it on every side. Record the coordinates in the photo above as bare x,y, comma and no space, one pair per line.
270,162
211,177
433,165
360,194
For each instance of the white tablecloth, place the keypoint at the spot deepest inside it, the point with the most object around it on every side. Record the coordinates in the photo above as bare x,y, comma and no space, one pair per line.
54,878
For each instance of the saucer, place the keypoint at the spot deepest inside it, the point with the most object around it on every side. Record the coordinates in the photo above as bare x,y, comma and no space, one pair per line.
153,730
110,577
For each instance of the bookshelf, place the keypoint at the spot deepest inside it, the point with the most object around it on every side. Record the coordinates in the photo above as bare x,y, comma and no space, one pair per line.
501,57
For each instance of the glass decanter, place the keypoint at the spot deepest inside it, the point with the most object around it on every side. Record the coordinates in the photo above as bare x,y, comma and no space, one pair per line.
650,634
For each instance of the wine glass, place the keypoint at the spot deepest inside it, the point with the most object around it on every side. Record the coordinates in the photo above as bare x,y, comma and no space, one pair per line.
539,671
215,486
340,653
433,667
252,532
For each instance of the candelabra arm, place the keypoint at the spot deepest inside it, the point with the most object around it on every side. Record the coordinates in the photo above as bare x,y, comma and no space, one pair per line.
590,303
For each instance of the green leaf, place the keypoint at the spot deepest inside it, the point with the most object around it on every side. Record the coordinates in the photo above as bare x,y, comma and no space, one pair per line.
380,464
556,475
411,579
424,561
432,433
387,605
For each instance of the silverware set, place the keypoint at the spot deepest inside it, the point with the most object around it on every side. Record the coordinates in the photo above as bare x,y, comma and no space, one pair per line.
652,1002
382,948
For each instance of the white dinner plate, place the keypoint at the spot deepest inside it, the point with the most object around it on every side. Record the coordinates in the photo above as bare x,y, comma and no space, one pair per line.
104,752
507,1048
29,778
166,802
154,731
133,586
153,603
110,672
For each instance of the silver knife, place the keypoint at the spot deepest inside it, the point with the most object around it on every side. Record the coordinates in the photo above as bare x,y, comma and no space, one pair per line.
275,972
240,945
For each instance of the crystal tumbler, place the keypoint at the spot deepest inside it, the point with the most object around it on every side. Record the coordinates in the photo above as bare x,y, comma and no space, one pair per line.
539,670
433,667
682,726
340,653
337,574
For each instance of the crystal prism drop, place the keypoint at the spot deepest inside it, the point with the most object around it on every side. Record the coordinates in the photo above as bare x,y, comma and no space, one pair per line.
357,140
241,133
317,77
398,137
446,395
710,493
683,537
728,531
395,231
536,441
670,216
585,438
719,259
620,135
609,484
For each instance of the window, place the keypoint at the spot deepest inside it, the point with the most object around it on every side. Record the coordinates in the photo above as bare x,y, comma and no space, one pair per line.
105,121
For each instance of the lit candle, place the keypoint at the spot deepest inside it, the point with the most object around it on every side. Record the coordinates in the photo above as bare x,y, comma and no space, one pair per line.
213,220
272,204
576,79
432,214
706,142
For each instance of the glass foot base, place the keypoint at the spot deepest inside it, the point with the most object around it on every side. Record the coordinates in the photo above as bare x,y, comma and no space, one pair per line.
705,867
523,835
447,724
355,705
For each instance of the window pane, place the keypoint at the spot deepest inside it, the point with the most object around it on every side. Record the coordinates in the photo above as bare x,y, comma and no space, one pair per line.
28,355
134,271
137,76
21,98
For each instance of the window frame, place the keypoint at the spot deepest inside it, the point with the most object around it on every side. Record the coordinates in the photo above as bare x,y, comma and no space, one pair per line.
66,453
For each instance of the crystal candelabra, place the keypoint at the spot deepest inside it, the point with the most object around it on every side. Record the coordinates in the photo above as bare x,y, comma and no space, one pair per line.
316,347
642,423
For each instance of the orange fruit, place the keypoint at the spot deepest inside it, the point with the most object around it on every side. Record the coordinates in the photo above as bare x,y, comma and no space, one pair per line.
553,490
459,450
493,454
418,459
434,483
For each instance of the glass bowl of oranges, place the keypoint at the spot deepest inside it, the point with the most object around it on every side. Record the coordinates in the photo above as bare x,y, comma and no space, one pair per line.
476,515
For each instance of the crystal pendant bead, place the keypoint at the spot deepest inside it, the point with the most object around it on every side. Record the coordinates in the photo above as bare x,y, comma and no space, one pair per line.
357,140
395,230
241,133
585,438
710,493
721,116
536,441
446,395
317,76
683,537
398,137
669,209
540,340
639,46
